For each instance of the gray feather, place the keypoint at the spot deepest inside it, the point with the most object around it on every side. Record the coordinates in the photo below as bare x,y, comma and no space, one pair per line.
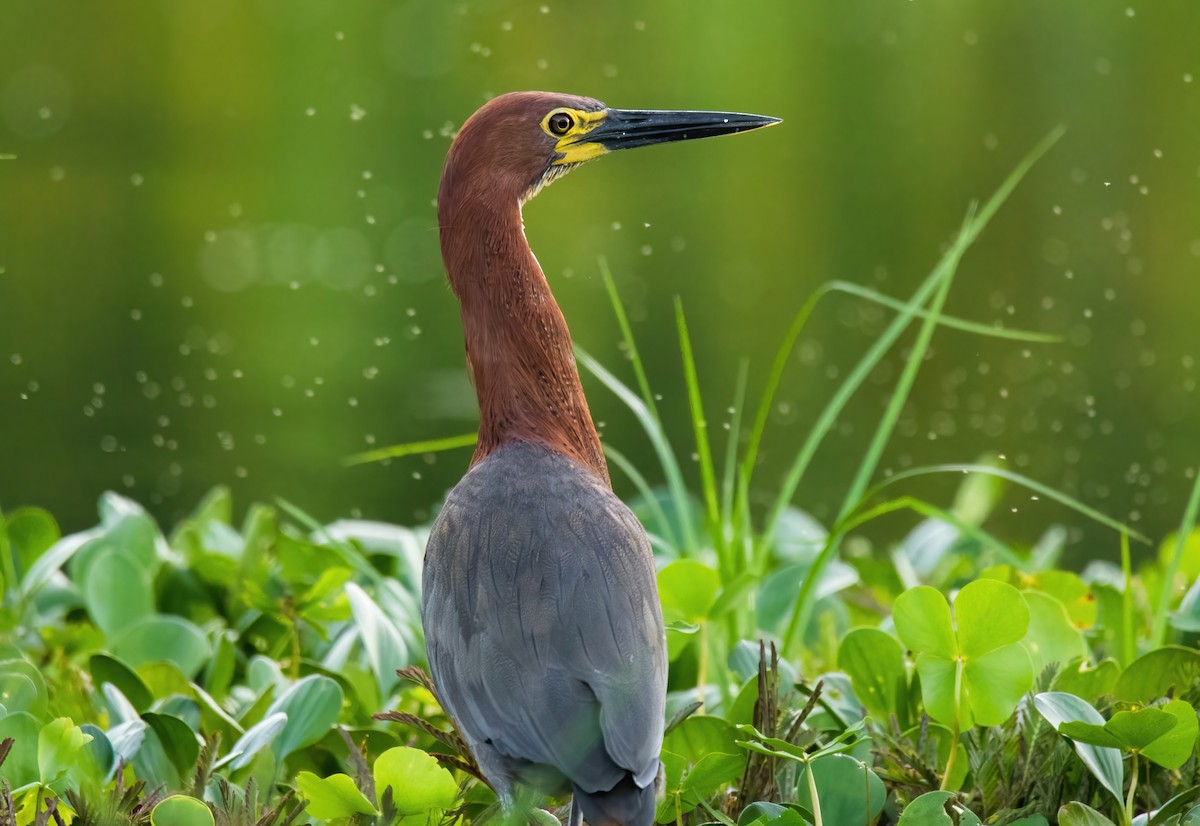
543,625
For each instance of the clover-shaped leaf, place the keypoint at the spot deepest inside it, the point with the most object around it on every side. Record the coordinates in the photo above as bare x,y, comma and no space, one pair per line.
976,655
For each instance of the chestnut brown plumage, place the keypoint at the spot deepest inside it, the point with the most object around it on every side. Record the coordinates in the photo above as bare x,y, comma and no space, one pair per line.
542,621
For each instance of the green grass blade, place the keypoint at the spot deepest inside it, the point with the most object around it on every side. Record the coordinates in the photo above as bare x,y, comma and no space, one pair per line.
627,467
708,476
1128,640
729,475
635,358
908,309
1159,628
929,511
941,278
411,448
1011,476
953,322
658,439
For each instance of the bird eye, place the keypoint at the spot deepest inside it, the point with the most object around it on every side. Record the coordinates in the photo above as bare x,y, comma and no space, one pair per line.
561,123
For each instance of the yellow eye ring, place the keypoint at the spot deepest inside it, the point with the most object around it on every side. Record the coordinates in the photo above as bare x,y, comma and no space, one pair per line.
560,123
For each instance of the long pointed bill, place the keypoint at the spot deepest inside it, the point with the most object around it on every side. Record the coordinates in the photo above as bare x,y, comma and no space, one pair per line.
627,128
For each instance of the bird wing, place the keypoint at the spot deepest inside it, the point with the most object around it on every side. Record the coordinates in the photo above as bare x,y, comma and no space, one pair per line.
542,619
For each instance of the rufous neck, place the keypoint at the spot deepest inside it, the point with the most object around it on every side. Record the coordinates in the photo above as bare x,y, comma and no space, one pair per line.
518,345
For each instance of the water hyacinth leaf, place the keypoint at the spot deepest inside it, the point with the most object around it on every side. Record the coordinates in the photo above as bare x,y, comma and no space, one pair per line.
164,638
1052,637
312,707
180,810
1072,592
1172,749
31,532
126,739
688,589
18,693
117,592
848,790
1158,673
1080,814
699,735
332,798
108,669
178,741
22,687
1086,679
875,663
385,648
99,755
930,810
711,772
256,738
21,765
1104,763
763,813
419,784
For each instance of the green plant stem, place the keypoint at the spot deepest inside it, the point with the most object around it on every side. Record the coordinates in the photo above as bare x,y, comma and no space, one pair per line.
1159,628
812,790
1128,641
1133,782
411,448
955,728
708,476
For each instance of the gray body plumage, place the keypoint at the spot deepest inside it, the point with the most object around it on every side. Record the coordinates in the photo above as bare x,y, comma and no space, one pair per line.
544,632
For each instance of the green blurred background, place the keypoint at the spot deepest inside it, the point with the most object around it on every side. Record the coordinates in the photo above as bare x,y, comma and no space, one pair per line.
220,260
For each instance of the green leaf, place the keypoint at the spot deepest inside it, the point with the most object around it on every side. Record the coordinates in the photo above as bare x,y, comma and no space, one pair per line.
21,765
875,663
1104,763
107,669
688,589
995,682
996,672
312,707
1158,673
381,639
167,638
928,810
922,619
118,591
1052,637
711,772
22,687
332,798
419,784
257,737
848,790
177,739
989,615
1174,748
699,735
31,532
1092,734
1141,727
180,810
1079,814
60,743
1086,679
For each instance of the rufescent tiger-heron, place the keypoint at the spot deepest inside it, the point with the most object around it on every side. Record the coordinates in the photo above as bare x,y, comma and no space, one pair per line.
541,613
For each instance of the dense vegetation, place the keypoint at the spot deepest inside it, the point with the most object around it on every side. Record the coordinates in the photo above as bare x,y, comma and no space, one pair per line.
269,673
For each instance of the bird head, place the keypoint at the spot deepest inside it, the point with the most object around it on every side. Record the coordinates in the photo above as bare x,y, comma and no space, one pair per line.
517,143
